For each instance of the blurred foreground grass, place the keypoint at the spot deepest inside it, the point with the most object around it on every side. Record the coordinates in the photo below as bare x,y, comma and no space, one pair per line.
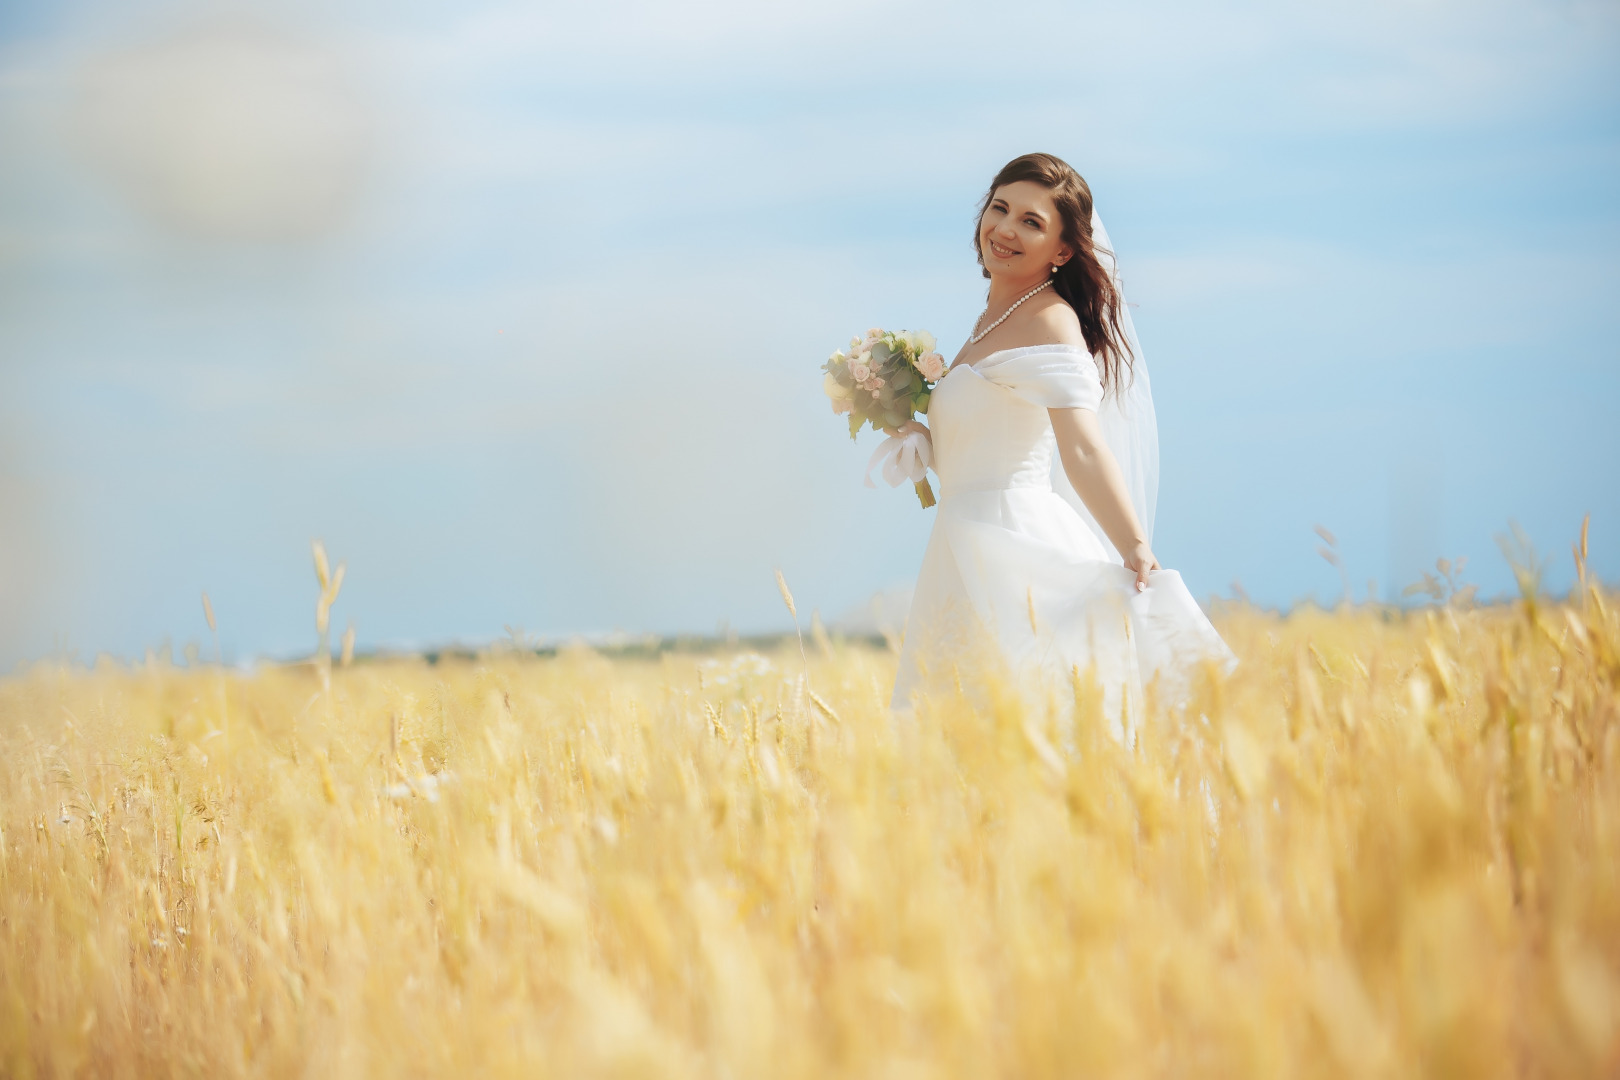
1386,846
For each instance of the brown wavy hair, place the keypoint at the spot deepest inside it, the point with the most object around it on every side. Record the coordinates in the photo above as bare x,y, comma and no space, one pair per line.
1083,281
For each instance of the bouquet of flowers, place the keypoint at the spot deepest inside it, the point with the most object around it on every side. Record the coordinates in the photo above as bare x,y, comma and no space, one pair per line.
884,380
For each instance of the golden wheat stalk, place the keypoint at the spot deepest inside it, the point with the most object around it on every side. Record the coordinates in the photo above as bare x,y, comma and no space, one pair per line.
322,573
787,598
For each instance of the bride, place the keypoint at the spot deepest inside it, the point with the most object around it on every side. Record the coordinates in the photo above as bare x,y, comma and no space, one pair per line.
1017,563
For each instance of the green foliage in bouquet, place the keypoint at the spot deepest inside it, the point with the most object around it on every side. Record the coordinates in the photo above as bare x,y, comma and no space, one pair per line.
884,379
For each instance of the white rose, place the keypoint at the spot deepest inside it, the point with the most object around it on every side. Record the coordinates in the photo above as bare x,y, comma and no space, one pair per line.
834,389
923,340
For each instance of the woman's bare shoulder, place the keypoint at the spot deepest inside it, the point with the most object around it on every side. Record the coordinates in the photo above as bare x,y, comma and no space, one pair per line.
1056,321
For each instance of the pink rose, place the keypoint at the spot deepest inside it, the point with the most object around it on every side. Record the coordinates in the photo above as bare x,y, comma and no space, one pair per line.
873,334
932,366
876,383
860,373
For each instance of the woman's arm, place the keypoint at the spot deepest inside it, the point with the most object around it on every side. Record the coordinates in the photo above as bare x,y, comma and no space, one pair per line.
1091,468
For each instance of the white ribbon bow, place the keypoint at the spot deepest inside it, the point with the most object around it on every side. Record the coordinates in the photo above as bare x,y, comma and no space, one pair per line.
904,457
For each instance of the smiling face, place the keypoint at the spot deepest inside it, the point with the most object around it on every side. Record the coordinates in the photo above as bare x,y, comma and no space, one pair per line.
1021,232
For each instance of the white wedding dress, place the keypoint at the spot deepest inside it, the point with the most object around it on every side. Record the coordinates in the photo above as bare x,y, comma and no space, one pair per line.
1016,573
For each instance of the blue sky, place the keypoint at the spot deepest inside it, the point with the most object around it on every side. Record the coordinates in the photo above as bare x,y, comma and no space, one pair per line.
520,307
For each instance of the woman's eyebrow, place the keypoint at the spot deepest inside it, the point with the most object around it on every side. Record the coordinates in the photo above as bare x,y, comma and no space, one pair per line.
1037,215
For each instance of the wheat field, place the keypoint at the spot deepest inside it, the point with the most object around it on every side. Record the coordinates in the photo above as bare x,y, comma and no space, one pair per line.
1385,846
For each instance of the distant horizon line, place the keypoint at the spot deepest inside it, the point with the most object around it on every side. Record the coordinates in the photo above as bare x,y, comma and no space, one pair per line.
625,645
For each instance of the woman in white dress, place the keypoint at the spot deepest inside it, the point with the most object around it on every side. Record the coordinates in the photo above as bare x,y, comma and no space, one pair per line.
1045,444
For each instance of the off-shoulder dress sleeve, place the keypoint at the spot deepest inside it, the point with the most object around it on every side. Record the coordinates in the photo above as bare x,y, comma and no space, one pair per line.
1051,376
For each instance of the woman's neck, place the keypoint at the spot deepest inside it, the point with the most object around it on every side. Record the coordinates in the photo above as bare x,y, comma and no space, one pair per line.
1005,289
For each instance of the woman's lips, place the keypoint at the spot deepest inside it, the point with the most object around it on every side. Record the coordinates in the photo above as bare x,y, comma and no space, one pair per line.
1001,252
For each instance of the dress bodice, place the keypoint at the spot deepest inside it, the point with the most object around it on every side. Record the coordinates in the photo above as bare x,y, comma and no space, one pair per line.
989,423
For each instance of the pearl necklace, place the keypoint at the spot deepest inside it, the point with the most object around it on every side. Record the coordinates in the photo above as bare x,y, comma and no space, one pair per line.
976,338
